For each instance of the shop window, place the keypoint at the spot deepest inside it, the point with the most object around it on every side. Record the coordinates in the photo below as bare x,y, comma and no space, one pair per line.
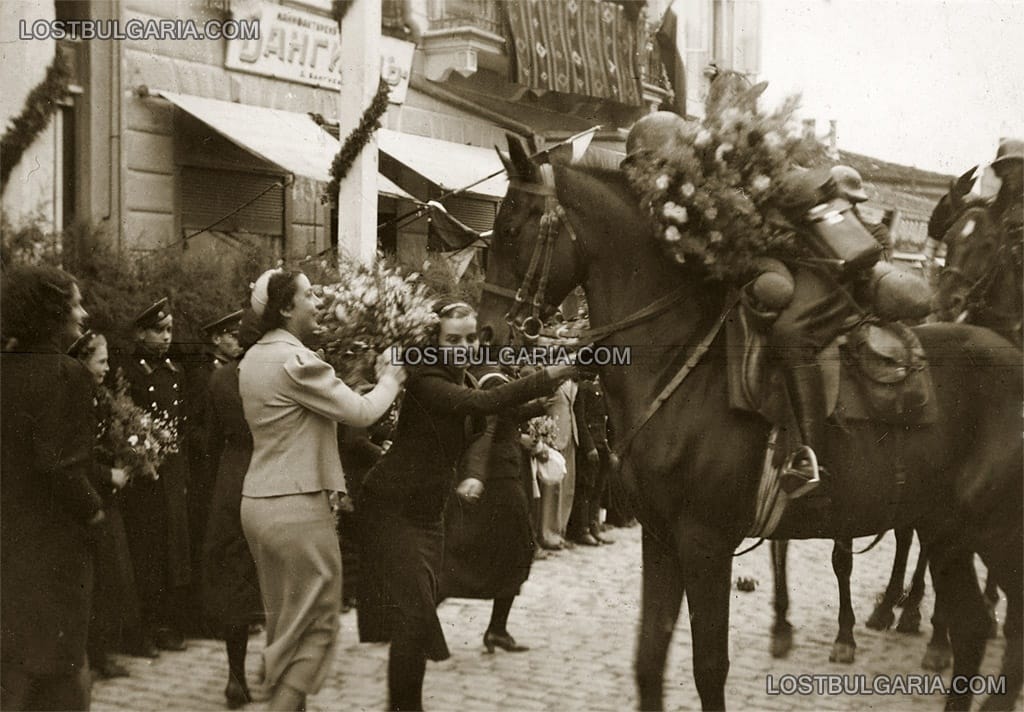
211,196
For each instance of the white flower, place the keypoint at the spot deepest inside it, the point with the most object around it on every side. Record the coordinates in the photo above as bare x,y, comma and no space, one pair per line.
662,182
674,212
672,233
703,138
715,237
133,440
722,150
687,190
772,140
711,213
760,183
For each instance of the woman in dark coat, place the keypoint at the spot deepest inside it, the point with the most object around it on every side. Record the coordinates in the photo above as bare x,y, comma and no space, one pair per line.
114,606
489,545
404,496
231,589
48,506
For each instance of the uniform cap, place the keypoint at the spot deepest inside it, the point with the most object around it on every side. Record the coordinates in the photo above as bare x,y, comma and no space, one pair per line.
229,322
152,315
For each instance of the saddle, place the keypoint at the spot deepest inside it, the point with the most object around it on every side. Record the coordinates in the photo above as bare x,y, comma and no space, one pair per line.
874,372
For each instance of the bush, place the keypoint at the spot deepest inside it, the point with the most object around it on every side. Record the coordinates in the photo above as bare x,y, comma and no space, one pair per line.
116,286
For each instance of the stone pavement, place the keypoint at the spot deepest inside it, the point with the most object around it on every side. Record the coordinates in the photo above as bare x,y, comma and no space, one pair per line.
579,613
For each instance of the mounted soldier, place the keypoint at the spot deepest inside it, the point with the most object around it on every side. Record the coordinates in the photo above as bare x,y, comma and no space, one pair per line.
809,303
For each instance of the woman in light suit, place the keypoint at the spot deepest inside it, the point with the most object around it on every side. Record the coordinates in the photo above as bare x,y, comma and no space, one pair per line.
293,402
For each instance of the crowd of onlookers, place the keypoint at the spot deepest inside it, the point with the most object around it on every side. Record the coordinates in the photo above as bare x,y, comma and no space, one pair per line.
104,555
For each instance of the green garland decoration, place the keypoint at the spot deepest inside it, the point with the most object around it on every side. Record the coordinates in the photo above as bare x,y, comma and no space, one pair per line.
40,105
356,141
340,8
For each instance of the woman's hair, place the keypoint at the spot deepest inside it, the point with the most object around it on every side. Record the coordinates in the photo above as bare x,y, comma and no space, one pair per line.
84,348
248,330
35,303
449,308
280,295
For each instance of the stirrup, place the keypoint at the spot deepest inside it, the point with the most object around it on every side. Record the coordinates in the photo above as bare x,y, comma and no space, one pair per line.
794,481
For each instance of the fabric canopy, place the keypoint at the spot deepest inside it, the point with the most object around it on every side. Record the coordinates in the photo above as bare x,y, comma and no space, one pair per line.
451,166
290,140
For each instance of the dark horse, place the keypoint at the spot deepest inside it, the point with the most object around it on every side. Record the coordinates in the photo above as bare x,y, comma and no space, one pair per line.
692,470
949,211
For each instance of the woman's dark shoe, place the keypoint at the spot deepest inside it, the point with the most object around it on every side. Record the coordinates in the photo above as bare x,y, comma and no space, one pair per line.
144,648
504,641
169,639
586,539
236,693
110,670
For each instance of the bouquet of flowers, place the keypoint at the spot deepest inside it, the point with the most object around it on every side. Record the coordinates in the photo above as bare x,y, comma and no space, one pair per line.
138,440
711,191
542,429
371,308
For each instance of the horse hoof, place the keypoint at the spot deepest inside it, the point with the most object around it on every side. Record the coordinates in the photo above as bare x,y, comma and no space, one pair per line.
881,618
937,658
842,653
910,621
782,642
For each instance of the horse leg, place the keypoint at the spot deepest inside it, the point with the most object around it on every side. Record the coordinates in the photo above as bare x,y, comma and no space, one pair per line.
707,563
782,630
956,584
660,601
992,599
910,619
1005,570
844,648
882,617
938,655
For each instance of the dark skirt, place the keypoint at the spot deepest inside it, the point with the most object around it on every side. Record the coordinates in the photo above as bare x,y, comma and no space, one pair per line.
115,609
399,587
488,546
231,588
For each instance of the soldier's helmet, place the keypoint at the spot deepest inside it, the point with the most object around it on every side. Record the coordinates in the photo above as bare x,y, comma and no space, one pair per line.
849,183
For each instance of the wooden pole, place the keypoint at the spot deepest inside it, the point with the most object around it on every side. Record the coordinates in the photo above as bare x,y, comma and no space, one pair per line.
360,74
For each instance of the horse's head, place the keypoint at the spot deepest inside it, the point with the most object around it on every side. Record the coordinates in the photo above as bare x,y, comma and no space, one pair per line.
971,253
533,261
951,205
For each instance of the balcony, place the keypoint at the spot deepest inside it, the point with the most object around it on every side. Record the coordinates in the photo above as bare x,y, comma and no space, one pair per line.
463,36
654,81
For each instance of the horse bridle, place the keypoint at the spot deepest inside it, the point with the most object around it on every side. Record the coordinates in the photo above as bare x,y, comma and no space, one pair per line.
552,221
978,289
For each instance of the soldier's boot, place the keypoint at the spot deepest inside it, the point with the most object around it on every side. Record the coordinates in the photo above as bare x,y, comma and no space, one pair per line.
801,474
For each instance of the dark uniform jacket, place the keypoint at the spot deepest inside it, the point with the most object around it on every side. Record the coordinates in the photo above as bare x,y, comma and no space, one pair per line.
415,476
595,414
48,433
156,513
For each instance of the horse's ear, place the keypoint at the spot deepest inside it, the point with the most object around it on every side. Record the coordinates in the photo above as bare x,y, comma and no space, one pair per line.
522,167
965,182
505,161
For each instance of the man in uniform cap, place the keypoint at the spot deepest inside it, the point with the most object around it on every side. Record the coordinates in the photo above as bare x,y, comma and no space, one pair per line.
1009,167
155,509
221,350
850,185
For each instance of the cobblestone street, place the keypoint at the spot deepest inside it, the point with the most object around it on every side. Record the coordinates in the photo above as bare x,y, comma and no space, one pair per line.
579,613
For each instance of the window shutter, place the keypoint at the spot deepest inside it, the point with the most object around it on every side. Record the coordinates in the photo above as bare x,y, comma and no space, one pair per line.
208,195
472,212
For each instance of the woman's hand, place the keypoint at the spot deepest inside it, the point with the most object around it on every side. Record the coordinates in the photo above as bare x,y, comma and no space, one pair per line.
386,367
118,477
560,372
470,489
541,452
